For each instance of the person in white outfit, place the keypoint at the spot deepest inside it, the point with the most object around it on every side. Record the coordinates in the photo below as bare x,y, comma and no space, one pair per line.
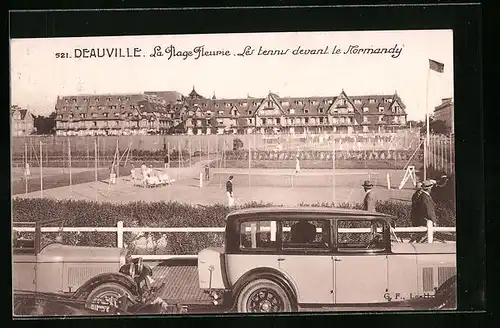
297,165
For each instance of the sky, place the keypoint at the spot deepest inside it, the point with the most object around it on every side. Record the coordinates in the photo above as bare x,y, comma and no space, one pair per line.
38,77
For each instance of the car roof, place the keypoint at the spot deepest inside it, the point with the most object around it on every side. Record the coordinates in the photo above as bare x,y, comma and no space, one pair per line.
334,211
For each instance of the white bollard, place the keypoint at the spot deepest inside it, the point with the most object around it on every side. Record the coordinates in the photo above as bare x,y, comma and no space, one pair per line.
388,182
201,179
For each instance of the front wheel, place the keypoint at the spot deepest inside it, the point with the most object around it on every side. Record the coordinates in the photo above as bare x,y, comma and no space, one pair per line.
263,295
106,296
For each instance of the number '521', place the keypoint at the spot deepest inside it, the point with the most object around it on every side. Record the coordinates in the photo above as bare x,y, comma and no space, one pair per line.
62,55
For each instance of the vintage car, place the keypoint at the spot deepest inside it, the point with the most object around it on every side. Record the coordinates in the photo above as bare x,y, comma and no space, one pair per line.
97,275
285,259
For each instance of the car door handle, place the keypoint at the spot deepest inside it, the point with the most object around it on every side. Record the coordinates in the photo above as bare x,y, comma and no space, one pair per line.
337,260
281,259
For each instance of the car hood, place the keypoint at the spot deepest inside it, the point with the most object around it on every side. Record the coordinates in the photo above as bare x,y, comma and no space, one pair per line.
424,248
66,253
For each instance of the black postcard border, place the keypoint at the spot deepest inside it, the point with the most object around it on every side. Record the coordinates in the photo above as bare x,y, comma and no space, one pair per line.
465,20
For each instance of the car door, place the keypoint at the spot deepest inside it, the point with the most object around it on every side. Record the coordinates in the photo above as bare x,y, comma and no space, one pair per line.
308,263
360,270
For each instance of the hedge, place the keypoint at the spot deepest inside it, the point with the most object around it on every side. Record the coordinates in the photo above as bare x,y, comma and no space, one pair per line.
166,214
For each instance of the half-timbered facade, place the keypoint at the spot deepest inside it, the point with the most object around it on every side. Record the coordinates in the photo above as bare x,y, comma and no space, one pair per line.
195,114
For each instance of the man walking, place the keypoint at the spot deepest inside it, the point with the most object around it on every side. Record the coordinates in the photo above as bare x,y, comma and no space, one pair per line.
207,172
414,215
297,164
426,206
369,201
229,191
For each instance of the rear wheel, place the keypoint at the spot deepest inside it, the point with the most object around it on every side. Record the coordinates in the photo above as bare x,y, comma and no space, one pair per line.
105,296
263,295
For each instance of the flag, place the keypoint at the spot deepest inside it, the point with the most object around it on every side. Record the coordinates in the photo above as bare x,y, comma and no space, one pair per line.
436,66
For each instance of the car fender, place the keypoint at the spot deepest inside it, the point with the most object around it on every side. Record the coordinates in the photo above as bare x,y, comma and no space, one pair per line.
119,278
265,273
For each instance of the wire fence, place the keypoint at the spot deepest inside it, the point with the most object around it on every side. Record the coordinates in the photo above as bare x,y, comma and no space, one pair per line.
40,162
441,150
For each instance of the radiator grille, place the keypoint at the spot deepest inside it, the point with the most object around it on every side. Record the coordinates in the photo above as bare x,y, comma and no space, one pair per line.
428,279
444,273
77,275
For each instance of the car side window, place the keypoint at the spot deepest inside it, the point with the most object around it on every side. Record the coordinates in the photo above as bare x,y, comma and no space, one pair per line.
23,243
306,234
360,235
258,235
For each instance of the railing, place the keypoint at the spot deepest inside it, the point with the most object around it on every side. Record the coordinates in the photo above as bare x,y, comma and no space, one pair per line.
120,229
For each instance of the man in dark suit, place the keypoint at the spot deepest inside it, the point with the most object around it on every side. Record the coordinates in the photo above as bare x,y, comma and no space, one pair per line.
414,215
425,213
369,201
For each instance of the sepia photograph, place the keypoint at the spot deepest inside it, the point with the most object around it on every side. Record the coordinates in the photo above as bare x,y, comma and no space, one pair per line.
233,173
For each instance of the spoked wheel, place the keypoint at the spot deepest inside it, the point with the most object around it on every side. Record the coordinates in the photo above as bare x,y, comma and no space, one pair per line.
263,295
105,296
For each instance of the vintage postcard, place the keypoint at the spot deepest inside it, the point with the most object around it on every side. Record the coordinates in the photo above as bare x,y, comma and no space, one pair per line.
233,173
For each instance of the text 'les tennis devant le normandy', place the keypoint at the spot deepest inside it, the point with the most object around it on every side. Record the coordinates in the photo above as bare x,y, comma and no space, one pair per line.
171,52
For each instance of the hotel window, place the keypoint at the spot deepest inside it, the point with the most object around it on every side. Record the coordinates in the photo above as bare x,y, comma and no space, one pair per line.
381,109
66,101
216,105
244,104
127,98
365,119
350,120
278,121
95,123
300,102
357,101
105,114
249,112
285,103
320,110
292,111
306,111
117,122
141,105
70,116
306,120
388,100
205,105
255,103
350,109
221,112
372,101
119,98
335,110
365,109
64,108
74,100
82,115
381,118
396,108
117,114
342,102
122,107
227,104
320,120
59,116
99,107
85,99
108,99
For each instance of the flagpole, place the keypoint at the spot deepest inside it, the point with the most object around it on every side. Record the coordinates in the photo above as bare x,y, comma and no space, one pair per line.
426,155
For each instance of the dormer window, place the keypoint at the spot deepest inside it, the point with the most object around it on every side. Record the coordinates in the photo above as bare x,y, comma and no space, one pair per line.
342,102
204,105
82,115
221,112
396,108
105,114
70,116
249,112
313,102
127,98
141,105
216,105
365,119
108,99
365,109
96,99
122,107
357,101
99,107
381,109
117,114
388,100
306,111
372,101
85,99
119,98
227,104
255,103
244,104
66,101
74,100
321,110
381,118
292,111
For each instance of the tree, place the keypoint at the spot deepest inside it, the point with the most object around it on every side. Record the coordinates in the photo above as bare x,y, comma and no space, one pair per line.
44,124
